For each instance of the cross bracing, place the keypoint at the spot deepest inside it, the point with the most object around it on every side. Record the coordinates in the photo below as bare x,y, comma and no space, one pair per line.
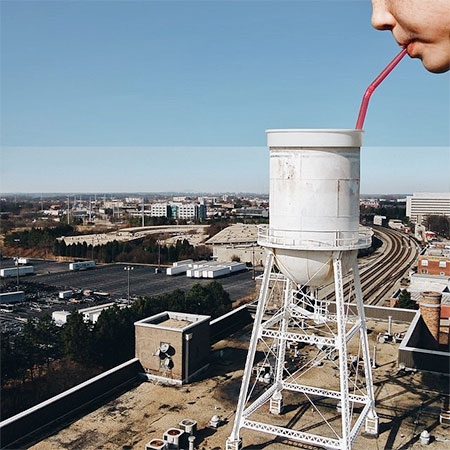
296,339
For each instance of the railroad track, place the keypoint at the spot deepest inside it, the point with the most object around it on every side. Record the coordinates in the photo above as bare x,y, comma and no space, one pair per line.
381,276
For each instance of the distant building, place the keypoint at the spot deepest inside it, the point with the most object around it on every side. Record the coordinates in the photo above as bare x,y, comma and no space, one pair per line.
179,210
252,212
371,202
238,242
90,314
380,220
187,211
159,210
423,204
430,264
433,274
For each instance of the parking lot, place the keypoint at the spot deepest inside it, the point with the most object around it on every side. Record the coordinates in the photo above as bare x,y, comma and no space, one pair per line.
40,266
144,281
112,278
41,288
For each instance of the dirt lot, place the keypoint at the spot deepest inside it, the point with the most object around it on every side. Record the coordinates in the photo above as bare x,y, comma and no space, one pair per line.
407,403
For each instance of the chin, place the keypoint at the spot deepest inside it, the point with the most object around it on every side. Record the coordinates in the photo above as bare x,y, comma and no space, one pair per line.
436,64
437,68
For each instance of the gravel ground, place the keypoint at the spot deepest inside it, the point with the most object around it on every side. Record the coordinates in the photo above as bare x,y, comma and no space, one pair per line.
407,403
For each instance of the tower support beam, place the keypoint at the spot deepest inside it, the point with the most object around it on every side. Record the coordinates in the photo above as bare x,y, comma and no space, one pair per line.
321,338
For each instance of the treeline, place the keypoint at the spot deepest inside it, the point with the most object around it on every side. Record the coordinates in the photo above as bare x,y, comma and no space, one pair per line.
391,212
31,357
38,237
144,250
439,225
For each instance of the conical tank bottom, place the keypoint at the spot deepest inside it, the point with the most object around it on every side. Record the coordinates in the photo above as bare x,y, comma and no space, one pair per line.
310,268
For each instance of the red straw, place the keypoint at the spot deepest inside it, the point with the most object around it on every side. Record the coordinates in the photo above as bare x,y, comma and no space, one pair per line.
373,86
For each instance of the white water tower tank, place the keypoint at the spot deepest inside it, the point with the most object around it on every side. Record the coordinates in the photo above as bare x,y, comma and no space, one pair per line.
314,202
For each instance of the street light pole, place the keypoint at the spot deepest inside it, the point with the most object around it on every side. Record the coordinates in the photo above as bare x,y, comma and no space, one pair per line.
253,261
128,268
159,256
17,265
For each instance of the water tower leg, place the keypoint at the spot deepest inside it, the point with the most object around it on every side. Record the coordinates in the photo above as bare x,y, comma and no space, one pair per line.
276,401
234,442
341,343
371,422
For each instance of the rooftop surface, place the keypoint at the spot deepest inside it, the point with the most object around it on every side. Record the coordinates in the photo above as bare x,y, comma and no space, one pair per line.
407,403
174,323
235,234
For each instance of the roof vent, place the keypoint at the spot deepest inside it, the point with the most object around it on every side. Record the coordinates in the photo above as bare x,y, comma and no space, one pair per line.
175,438
189,426
156,444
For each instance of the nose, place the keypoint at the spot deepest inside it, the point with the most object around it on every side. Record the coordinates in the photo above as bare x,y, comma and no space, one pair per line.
382,19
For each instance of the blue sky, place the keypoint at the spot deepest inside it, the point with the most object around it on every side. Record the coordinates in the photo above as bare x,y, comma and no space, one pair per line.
176,95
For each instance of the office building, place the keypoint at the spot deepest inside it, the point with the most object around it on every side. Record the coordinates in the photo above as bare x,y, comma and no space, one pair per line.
423,204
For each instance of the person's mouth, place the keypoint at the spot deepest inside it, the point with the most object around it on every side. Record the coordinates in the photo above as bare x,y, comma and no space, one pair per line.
409,45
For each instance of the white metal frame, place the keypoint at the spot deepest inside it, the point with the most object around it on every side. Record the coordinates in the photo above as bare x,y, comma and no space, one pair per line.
301,320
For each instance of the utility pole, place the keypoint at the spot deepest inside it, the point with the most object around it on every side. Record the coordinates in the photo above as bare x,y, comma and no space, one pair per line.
68,210
159,255
128,269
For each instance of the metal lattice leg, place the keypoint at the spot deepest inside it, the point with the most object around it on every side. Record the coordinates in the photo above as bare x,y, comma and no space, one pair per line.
342,346
276,401
234,442
371,423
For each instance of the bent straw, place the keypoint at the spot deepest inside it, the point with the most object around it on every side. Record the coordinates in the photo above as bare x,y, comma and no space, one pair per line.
375,83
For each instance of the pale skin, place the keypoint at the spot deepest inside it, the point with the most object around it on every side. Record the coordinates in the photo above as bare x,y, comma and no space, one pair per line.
421,26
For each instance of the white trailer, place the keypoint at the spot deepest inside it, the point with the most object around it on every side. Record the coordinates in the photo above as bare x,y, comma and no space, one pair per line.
13,271
216,272
65,294
184,262
177,270
12,297
396,224
81,265
198,264
237,267
379,220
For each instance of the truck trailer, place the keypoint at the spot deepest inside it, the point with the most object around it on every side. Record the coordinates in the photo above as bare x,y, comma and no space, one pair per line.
13,271
12,297
81,265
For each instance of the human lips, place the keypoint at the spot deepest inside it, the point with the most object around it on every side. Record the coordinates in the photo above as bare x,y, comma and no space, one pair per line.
409,45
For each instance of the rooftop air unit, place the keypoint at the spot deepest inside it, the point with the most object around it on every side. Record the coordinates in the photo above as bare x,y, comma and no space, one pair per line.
175,438
189,426
156,444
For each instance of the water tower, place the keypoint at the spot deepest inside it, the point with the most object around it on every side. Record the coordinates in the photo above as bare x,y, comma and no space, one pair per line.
314,342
